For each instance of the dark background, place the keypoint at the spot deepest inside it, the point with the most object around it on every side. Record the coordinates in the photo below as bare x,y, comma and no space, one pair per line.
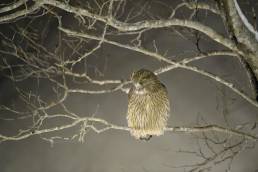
194,100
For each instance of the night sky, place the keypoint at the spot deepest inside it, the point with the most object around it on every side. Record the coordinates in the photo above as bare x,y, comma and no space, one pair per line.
195,99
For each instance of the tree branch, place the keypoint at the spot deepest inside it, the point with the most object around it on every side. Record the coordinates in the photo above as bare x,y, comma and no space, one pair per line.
109,126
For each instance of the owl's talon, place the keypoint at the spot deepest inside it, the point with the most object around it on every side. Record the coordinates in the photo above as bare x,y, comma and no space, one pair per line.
147,138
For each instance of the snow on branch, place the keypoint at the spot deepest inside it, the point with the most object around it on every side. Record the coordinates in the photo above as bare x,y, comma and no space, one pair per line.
245,21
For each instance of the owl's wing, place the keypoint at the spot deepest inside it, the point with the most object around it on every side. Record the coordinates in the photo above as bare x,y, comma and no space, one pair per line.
164,87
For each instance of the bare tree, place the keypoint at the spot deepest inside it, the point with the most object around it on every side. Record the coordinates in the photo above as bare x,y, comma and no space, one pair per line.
80,29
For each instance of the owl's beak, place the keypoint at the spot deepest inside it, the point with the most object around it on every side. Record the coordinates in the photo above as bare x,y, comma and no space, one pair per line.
137,85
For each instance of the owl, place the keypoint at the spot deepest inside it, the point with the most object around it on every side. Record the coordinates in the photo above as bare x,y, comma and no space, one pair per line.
148,105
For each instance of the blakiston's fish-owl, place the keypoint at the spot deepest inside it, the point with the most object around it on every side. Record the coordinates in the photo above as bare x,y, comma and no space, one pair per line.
148,105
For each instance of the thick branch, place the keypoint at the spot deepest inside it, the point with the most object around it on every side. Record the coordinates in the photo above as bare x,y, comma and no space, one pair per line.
244,38
146,24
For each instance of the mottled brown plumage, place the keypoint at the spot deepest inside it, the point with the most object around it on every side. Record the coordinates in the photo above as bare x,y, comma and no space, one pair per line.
148,105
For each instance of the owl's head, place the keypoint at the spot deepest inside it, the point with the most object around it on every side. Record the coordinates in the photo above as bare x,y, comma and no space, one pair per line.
143,78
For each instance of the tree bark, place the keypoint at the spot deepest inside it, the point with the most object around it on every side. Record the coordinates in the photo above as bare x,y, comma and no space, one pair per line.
244,39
